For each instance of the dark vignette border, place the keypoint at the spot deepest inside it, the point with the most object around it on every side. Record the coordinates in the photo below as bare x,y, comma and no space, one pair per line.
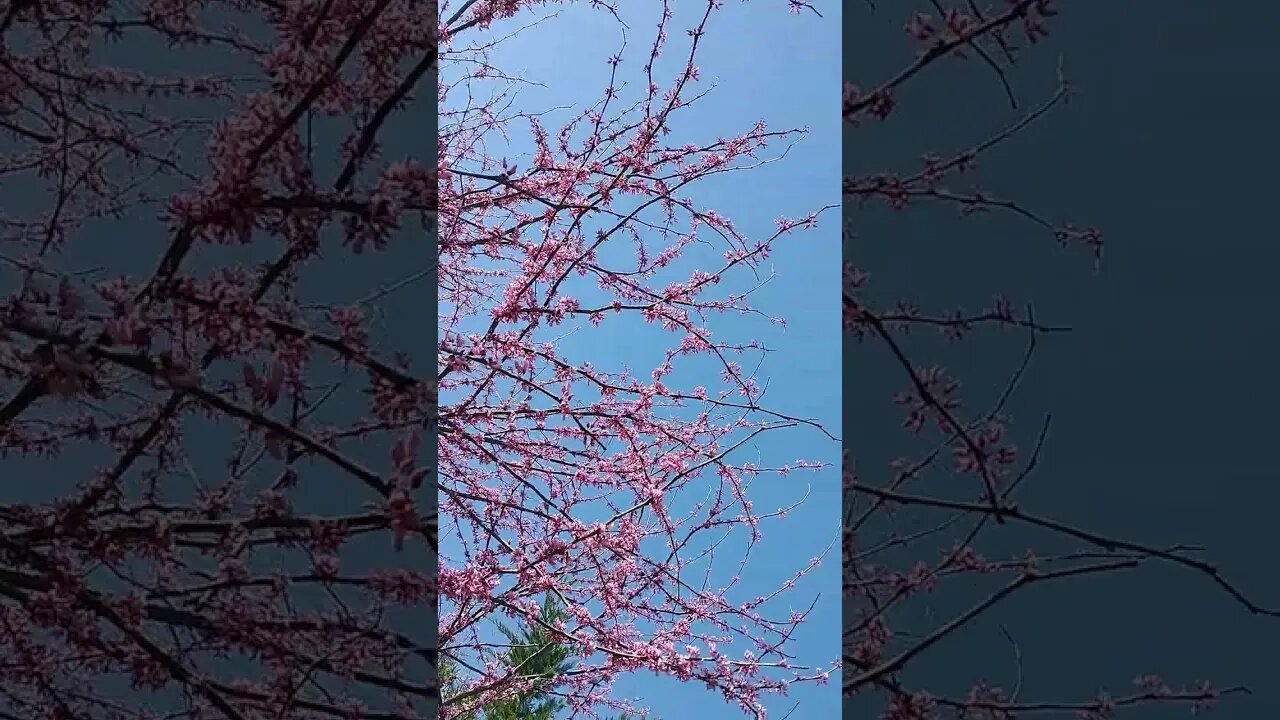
1159,97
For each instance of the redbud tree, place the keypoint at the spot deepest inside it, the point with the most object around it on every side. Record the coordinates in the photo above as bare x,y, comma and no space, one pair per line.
937,521
566,474
212,399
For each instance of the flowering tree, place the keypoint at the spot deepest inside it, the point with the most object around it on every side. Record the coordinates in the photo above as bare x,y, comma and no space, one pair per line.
563,475
919,529
209,446
212,431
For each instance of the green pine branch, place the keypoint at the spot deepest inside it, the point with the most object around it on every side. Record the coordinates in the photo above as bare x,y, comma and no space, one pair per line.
534,655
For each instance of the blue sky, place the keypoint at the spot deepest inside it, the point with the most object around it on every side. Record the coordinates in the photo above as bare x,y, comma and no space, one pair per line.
783,69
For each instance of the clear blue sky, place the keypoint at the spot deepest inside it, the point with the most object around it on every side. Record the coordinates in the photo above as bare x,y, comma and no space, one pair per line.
783,69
